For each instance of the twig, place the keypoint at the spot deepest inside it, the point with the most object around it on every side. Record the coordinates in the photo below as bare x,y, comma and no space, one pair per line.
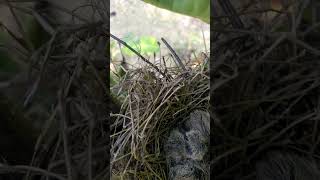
229,9
174,54
204,40
63,130
21,29
46,26
34,87
138,54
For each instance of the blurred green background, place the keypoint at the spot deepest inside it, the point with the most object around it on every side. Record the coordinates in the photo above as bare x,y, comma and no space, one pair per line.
142,26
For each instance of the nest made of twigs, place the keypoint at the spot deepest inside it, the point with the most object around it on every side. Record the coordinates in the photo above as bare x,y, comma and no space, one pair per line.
152,106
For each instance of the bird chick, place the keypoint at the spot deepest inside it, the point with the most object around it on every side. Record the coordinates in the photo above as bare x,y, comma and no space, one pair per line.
186,147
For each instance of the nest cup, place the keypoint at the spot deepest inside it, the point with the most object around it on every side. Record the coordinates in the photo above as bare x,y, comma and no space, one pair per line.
153,105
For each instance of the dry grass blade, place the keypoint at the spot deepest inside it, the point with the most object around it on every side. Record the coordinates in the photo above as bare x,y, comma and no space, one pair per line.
174,54
139,55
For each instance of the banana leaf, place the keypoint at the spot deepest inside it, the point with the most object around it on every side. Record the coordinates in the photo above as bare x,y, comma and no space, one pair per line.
195,8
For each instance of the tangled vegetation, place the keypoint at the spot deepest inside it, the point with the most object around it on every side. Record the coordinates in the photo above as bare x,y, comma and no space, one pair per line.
265,92
152,106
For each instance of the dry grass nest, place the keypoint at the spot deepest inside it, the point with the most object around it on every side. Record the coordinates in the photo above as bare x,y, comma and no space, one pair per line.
265,84
152,106
63,84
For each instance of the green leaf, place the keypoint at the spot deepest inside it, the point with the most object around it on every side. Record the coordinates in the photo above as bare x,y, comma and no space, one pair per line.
145,45
148,45
195,8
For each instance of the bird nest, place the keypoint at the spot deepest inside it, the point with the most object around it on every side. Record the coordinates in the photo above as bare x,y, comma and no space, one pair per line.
63,86
265,84
153,105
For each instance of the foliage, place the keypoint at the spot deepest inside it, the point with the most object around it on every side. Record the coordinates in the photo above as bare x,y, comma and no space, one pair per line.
194,8
145,45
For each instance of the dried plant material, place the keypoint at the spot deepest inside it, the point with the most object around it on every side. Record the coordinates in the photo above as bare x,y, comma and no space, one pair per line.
63,94
153,107
265,93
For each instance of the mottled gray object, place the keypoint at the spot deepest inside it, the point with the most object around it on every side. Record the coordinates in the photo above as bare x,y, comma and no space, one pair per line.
187,146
